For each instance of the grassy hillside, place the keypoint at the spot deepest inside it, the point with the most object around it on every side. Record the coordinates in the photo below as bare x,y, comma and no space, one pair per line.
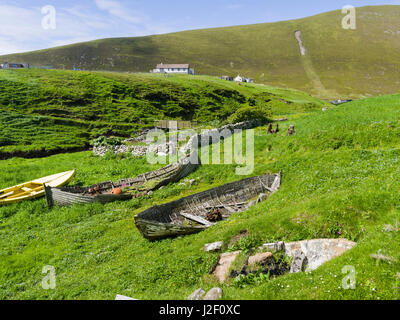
339,180
44,112
338,62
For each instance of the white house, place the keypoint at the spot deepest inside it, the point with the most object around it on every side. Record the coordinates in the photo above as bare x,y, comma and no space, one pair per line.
239,79
173,68
243,79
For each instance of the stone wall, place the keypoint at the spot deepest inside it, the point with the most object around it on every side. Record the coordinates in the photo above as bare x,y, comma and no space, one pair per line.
216,135
203,139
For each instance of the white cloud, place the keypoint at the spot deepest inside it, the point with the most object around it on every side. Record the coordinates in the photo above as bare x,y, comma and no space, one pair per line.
21,27
116,9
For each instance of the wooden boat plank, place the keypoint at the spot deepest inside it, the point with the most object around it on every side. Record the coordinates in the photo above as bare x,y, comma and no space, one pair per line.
6,195
197,219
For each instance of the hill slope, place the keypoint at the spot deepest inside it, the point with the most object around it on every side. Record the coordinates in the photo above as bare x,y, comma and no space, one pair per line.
337,63
339,173
66,109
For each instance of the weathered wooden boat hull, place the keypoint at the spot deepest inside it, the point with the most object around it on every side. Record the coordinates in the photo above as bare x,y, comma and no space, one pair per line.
170,219
149,181
153,230
67,198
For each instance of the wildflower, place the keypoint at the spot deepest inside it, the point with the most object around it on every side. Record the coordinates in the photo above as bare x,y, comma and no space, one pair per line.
339,233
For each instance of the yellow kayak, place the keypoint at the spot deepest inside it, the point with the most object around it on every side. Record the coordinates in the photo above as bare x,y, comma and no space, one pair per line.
34,189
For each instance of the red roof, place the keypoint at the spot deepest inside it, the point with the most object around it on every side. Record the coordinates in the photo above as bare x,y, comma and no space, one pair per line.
172,66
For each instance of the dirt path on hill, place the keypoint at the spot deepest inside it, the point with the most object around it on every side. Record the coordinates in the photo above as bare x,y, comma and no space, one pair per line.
310,71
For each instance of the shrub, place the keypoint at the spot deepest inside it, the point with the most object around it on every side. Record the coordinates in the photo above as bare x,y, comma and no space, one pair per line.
247,113
107,142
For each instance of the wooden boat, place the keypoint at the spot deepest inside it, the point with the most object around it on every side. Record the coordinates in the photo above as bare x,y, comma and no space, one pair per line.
136,186
192,214
34,189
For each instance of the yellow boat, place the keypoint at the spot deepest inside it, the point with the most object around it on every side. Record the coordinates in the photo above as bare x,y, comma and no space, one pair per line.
34,189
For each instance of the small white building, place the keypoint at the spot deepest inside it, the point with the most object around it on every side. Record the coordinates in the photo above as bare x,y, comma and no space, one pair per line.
239,79
173,68
243,79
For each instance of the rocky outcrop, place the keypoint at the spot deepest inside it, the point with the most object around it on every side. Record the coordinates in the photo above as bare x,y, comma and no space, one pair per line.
197,295
299,262
318,251
381,257
214,294
274,247
120,297
260,258
211,247
224,264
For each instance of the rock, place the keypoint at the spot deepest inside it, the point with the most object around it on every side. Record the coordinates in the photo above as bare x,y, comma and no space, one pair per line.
139,151
260,258
210,247
100,151
389,228
262,197
120,297
214,294
381,257
224,264
197,295
319,251
299,262
121,149
274,247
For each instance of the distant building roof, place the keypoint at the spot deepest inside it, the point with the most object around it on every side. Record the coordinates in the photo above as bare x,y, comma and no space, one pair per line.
172,66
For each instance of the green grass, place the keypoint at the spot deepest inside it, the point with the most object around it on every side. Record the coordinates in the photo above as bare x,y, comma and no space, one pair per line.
339,174
339,63
66,110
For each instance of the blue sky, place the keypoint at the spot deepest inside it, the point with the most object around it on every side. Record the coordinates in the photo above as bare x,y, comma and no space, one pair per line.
82,20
